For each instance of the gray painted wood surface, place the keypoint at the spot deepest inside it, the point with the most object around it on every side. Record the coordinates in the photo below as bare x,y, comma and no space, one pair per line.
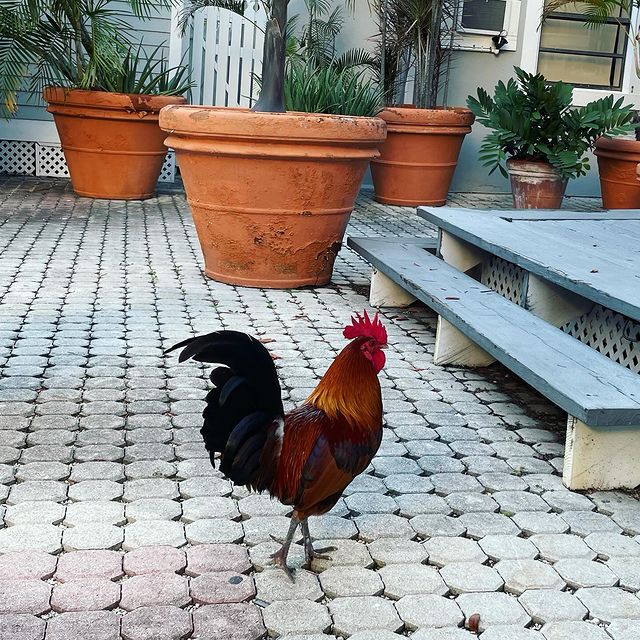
589,254
577,378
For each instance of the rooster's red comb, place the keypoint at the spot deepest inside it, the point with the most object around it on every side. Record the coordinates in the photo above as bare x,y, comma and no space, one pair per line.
362,326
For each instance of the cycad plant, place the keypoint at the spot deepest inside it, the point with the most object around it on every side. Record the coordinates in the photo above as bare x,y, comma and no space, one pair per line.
81,44
533,119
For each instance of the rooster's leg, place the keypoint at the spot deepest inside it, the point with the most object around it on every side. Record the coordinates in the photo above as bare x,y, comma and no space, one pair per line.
280,557
309,551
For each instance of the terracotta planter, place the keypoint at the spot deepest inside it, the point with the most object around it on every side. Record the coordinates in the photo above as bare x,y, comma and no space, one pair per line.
535,185
112,142
420,155
617,162
270,193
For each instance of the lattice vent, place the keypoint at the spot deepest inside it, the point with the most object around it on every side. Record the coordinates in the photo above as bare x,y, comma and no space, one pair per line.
17,158
50,161
168,171
505,278
610,333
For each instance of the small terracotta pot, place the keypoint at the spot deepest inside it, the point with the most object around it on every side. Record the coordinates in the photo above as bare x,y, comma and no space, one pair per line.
270,193
420,155
535,185
112,142
617,162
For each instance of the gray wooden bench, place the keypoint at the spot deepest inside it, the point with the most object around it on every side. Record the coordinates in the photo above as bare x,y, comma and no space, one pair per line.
477,325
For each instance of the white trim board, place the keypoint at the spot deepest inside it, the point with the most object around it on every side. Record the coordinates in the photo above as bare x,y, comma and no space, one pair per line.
29,131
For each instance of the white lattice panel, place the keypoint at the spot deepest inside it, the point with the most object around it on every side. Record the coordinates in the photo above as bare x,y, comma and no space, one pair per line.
50,161
610,333
168,171
17,158
505,278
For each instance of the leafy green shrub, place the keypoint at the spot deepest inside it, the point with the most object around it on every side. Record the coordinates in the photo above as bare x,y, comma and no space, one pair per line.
533,119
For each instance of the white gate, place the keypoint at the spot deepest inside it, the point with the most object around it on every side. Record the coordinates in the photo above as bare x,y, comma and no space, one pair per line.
225,56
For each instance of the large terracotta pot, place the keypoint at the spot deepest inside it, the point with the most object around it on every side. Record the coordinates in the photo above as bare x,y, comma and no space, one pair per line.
420,155
112,142
617,162
535,185
270,193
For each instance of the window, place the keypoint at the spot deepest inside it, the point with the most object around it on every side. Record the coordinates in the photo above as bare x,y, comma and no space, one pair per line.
593,58
480,20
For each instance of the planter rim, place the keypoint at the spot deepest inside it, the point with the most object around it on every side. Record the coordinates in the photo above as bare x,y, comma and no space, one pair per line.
89,99
444,116
540,168
186,120
617,144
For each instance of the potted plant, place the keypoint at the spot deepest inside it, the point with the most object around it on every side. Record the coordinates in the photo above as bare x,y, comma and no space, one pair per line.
271,188
543,139
423,143
105,95
618,157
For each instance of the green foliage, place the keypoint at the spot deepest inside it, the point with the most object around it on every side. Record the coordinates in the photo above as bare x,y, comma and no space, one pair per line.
533,119
72,43
330,90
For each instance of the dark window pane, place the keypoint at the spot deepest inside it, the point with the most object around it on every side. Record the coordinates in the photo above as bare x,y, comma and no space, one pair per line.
483,15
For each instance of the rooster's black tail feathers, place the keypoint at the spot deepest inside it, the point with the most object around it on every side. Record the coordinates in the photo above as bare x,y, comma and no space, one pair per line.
244,407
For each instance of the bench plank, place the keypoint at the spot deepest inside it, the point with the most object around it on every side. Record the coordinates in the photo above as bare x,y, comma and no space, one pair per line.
582,381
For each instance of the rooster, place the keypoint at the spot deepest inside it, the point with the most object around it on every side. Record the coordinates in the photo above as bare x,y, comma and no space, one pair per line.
305,458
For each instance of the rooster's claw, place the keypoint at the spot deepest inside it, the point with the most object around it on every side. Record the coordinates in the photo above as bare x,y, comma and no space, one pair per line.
280,560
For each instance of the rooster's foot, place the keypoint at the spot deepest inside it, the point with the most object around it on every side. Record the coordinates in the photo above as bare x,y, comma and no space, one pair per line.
280,560
317,554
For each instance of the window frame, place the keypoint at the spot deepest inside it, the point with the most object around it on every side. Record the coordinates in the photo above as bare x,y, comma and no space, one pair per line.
480,39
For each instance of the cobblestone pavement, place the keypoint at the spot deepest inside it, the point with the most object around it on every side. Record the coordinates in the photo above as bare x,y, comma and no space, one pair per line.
116,526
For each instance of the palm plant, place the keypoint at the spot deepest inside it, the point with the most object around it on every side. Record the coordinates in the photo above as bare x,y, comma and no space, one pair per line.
82,44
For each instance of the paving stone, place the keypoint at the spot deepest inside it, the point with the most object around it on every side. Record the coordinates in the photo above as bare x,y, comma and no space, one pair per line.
92,535
150,469
512,502
374,526
612,545
262,505
16,626
623,629
295,617
97,471
583,523
42,471
446,483
153,532
350,581
326,526
402,483
431,526
213,531
535,522
157,589
154,559
610,502
445,550
498,481
396,551
406,579
414,504
628,571
561,501
209,558
150,488
153,509
520,575
31,491
609,603
94,490
209,507
261,556
89,564
509,632
101,511
443,634
363,613
24,596
376,634
89,594
585,573
554,547
440,464
494,609
471,502
428,611
204,486
27,565
546,605
273,584
157,623
44,512
23,537
372,503
85,625
222,587
479,525
572,630
465,577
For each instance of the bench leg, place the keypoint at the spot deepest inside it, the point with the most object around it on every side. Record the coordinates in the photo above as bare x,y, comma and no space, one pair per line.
386,293
596,459
453,347
553,303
